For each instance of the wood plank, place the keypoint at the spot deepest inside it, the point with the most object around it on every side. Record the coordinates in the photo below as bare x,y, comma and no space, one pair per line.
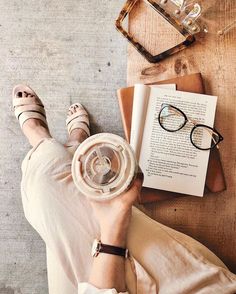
211,220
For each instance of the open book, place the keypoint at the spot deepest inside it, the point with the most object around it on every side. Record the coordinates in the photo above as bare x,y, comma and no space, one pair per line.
168,160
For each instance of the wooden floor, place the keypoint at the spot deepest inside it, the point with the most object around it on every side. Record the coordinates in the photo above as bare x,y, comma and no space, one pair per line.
211,220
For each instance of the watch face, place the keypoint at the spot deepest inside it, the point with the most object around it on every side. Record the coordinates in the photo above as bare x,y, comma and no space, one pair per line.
95,248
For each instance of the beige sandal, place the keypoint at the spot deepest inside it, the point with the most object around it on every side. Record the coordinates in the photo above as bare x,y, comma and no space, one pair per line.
77,120
28,107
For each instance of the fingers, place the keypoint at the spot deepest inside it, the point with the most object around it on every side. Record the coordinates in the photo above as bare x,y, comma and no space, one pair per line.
137,185
135,189
140,175
128,197
139,179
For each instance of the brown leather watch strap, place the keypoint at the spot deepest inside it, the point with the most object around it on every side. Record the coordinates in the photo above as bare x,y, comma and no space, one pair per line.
114,250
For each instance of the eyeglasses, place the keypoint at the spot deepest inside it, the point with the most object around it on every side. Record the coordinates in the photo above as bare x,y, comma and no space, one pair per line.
203,137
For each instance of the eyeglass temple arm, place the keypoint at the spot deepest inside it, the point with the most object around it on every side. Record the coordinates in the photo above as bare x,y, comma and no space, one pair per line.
211,132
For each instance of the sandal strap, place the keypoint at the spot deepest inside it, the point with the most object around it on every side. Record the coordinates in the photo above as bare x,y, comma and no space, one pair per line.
28,115
79,119
29,108
78,125
80,113
26,101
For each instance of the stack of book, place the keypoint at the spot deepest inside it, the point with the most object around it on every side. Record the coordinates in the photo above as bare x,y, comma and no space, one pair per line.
172,166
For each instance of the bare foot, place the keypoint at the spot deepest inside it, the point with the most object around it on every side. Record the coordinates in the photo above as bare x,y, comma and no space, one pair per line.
34,129
77,135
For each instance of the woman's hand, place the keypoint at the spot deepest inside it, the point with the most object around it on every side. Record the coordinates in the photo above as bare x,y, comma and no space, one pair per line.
108,271
114,215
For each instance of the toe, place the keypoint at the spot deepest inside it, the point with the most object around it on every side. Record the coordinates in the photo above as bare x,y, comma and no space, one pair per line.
29,94
19,95
23,91
69,112
25,94
74,108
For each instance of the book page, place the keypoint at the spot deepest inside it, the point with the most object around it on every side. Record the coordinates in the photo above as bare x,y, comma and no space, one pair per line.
140,103
168,160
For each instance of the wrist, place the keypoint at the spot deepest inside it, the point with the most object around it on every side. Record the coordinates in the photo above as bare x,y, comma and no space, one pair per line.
115,233
114,238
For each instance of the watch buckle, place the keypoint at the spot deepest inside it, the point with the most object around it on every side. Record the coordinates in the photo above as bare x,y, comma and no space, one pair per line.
98,248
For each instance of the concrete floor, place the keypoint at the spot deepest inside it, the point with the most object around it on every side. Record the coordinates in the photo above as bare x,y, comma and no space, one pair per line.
67,51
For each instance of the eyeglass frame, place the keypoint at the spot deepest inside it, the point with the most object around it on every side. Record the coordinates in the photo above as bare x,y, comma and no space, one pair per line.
196,125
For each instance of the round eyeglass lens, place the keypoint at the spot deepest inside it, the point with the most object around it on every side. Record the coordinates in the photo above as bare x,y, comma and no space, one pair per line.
171,119
204,138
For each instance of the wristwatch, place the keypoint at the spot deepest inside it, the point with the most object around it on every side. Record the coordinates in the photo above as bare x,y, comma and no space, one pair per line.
98,247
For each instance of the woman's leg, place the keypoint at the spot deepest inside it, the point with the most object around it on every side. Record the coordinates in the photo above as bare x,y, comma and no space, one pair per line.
51,202
178,263
53,206
58,281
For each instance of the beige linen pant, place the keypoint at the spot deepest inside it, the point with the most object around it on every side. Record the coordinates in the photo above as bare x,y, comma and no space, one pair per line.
163,260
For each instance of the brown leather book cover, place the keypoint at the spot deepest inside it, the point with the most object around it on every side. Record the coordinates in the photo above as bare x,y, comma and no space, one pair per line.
215,181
